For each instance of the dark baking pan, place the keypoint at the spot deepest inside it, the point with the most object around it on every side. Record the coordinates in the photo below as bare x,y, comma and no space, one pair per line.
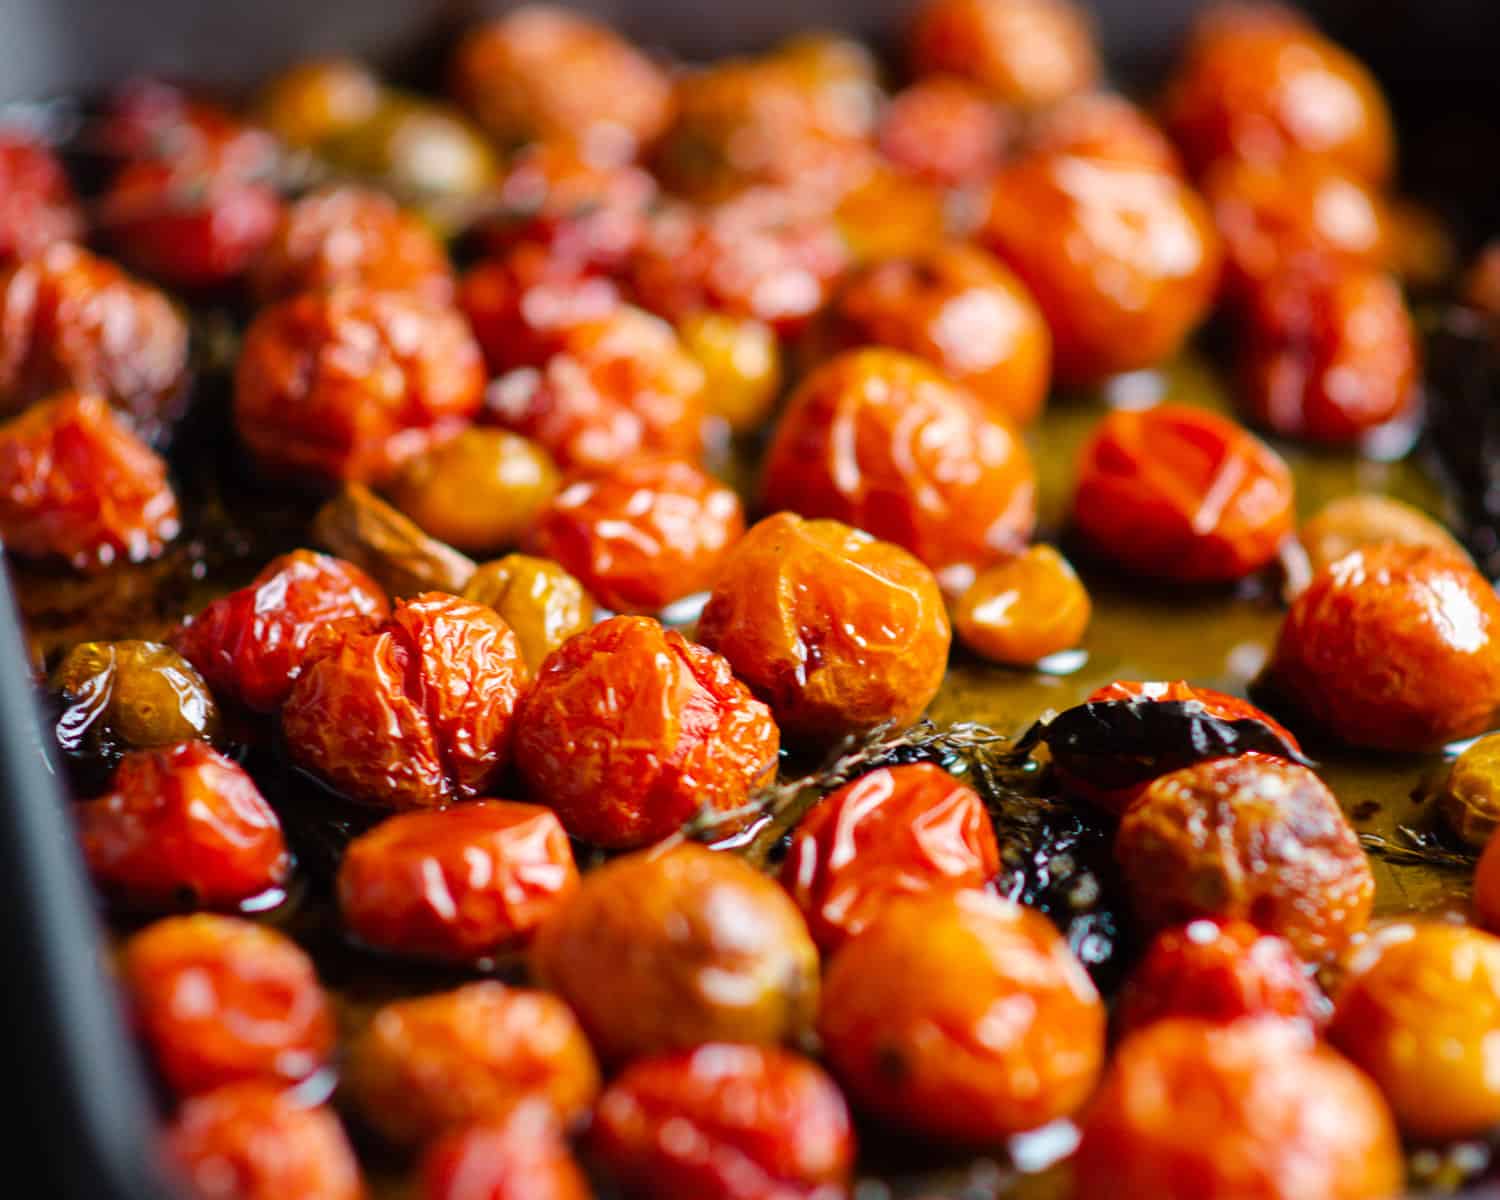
87,1128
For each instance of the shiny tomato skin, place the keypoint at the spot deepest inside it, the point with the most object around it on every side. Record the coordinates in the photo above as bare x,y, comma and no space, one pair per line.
897,831
522,303
1182,494
1021,610
457,884
37,204
251,644
647,533
1107,126
220,1000
520,1157
77,485
945,130
766,1123
631,730
416,713
183,825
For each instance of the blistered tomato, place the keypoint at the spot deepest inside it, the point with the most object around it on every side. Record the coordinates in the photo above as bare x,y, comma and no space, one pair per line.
741,362
1019,611
457,884
522,304
898,831
631,730
1107,126
962,1017
220,1000
522,1156
836,631
1182,494
945,130
416,713
543,605
251,644
763,1122
669,949
1393,647
647,533
37,204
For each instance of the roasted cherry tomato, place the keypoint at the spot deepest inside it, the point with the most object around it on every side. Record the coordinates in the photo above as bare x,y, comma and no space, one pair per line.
77,485
251,644
669,949
838,632
543,605
1469,800
882,441
1104,125
1256,839
1113,782
617,386
1019,611
647,533
1417,1011
1393,647
523,304
762,1122
1194,1110
1257,82
150,119
1365,519
183,827
423,151
522,1156
1026,53
1329,354
355,236
458,884
425,1066
1487,882
958,308
545,73
37,204
945,130
1218,971
767,255
316,100
631,730
1124,261
741,362
416,713
898,831
481,490
841,76
1182,494
346,385
892,214
256,1141
220,1000
911,1022
71,320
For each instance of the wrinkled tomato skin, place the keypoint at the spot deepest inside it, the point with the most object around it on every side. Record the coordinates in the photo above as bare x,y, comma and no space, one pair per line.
220,1000
522,1157
898,831
71,320
617,386
251,644
37,204
345,385
1417,1012
1112,786
522,304
457,884
1393,647
884,442
416,713
1105,126
766,1123
1255,839
668,949
1114,304
1329,355
643,535
544,74
944,130
1026,53
909,1019
1182,494
183,826
351,236
439,1062
1218,971
254,1141
1193,1110
541,602
836,631
956,307
1259,83
77,485
631,730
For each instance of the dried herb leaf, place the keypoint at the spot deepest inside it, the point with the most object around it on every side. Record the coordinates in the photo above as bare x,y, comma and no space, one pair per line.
359,526
1414,848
